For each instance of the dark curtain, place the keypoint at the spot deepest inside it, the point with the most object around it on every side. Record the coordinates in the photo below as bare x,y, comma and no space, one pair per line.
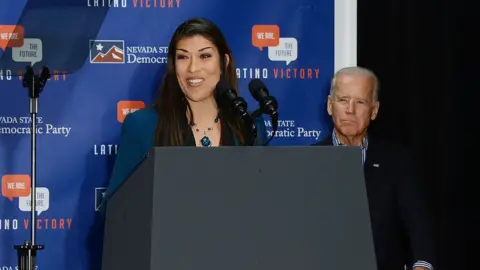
419,51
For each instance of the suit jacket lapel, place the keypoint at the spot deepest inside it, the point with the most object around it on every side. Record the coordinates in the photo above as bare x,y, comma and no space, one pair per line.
327,141
372,161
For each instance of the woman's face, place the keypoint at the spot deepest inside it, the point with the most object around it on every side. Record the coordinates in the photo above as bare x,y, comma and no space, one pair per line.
197,65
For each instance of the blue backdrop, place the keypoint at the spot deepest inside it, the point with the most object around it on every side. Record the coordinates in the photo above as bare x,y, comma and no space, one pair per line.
289,44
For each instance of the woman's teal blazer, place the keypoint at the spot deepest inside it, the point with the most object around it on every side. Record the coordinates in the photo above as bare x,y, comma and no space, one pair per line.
137,139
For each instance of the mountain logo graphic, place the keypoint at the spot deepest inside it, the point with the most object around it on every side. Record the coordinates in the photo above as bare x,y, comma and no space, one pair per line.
107,52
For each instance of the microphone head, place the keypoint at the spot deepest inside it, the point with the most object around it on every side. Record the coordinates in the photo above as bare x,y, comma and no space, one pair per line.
257,89
225,91
45,73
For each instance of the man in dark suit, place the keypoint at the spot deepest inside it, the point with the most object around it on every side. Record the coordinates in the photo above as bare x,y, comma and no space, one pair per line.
400,222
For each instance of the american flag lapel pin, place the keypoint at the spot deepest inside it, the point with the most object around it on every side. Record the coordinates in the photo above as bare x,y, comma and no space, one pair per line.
376,165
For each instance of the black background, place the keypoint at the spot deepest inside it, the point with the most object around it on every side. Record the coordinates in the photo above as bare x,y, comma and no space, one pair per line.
428,103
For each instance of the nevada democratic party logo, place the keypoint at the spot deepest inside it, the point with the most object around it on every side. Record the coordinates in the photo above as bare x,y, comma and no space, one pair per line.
19,186
115,52
21,125
24,50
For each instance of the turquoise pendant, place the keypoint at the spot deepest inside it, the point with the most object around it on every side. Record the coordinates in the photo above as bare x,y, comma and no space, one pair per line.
205,141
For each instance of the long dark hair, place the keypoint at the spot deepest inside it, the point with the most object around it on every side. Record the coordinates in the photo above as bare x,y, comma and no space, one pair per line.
171,103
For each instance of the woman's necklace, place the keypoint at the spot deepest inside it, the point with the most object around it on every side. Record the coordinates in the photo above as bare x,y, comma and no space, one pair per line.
205,140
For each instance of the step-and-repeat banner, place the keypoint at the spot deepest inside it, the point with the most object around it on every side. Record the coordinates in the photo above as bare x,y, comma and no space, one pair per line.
107,58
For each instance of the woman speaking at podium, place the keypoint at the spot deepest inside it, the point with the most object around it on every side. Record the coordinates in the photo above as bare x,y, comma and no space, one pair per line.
186,111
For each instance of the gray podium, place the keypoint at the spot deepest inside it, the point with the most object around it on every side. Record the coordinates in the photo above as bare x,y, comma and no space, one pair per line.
241,208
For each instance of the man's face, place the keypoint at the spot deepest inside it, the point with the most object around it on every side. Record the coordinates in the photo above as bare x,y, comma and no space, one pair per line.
352,106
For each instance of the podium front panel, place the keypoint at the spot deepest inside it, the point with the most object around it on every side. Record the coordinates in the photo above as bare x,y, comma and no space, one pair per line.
269,208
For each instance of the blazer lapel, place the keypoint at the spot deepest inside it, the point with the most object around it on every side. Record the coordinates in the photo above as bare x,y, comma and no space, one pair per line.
235,140
373,161
327,141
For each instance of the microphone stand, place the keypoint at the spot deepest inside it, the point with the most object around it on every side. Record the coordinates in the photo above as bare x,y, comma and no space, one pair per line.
240,105
268,106
274,119
251,129
28,251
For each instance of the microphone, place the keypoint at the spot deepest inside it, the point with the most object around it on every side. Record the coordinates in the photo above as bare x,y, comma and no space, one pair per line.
35,83
228,96
268,104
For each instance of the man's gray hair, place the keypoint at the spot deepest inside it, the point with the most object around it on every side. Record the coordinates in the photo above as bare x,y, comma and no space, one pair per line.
358,71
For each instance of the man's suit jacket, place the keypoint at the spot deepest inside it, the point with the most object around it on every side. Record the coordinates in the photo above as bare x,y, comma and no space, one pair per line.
401,226
137,138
